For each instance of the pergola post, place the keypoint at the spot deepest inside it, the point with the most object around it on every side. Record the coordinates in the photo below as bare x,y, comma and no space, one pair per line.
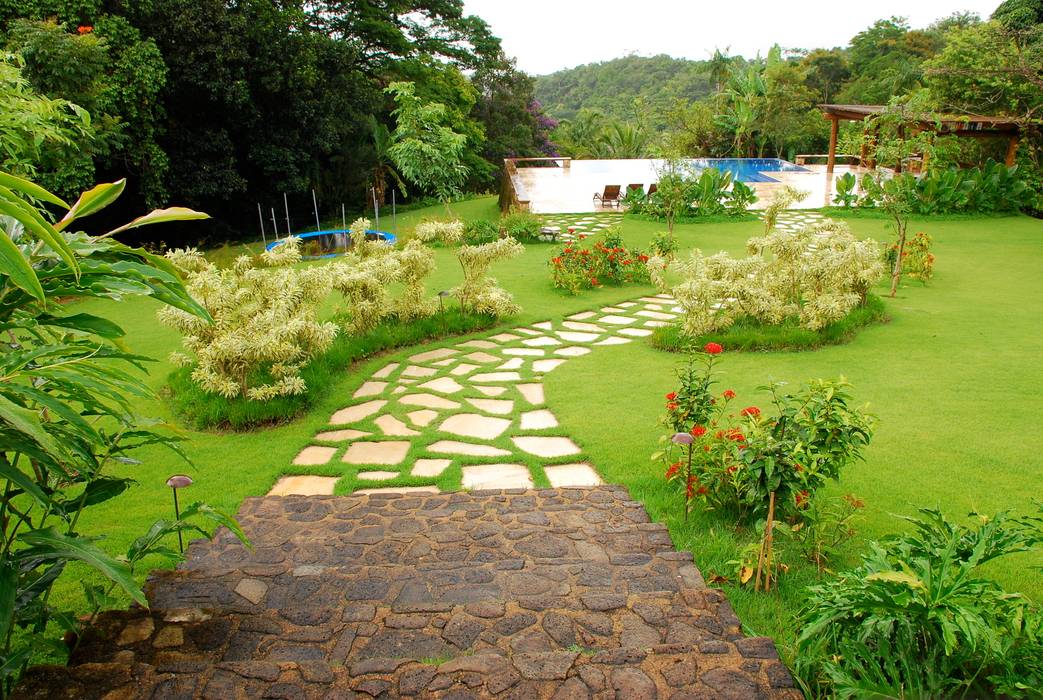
834,128
1012,149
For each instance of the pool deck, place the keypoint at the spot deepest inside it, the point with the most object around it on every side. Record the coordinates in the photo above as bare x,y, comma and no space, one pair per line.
556,190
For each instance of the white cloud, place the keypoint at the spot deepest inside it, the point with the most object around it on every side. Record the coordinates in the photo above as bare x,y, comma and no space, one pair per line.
546,35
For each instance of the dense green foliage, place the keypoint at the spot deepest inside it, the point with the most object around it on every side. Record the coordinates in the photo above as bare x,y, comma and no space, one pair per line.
66,416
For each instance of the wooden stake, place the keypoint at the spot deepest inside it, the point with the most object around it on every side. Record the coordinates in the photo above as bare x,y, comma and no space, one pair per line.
767,539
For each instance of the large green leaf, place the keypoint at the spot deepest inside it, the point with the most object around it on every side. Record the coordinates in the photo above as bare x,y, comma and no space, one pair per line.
48,543
30,188
88,323
33,221
8,592
28,423
16,476
92,201
160,216
14,265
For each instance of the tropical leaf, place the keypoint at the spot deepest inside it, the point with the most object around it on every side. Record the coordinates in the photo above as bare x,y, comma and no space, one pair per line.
14,264
17,184
16,208
87,323
93,201
160,216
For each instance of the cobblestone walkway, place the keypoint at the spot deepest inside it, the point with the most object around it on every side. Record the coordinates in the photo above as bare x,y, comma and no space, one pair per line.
473,411
556,593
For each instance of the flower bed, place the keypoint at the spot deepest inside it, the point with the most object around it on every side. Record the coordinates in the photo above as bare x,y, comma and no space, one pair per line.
593,261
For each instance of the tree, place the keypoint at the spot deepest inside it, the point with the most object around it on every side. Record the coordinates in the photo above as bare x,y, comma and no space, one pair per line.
672,195
718,68
383,165
825,71
425,150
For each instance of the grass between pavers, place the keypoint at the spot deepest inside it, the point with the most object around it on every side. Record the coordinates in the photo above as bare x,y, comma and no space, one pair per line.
954,379
748,334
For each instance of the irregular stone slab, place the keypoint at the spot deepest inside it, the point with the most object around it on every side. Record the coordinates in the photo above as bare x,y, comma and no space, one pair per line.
583,316
572,351
386,371
444,363
657,315
578,337
497,476
668,297
581,474
437,354
341,435
304,486
483,358
475,426
353,414
462,369
385,452
533,393
513,363
422,417
538,420
656,324
655,307
378,475
526,331
393,426
616,320
443,385
635,332
503,337
414,371
252,589
398,390
611,310
499,376
398,490
525,352
313,454
546,446
541,341
577,326
543,325
500,407
454,447
651,300
428,401
613,341
543,366
370,389
626,304
479,344
491,390
430,467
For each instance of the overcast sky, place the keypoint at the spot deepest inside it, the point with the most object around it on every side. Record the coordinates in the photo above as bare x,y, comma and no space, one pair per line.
548,35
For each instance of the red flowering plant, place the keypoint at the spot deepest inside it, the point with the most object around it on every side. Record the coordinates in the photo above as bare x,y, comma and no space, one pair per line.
594,261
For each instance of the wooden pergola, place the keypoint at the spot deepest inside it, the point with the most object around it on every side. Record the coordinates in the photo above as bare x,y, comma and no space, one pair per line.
964,125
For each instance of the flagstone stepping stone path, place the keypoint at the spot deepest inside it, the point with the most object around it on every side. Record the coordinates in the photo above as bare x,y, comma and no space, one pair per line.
534,594
569,227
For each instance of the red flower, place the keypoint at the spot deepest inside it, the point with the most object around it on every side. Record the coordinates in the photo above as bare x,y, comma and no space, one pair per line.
671,406
643,258
703,491
729,394
713,349
673,469
85,29
802,499
671,396
698,431
751,411
797,467
732,469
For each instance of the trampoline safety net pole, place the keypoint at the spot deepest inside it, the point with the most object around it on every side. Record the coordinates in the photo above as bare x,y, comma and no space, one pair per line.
315,206
260,217
286,206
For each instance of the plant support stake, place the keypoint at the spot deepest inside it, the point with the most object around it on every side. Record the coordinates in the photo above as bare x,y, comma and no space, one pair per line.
286,205
315,206
260,217
276,228
376,207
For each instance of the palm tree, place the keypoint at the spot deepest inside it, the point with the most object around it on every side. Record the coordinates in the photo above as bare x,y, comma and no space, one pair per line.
383,165
718,68
624,140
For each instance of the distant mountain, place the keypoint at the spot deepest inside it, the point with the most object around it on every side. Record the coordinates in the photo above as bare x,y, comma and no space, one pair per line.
611,87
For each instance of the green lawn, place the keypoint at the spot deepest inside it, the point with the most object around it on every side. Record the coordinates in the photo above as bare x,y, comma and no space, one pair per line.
954,378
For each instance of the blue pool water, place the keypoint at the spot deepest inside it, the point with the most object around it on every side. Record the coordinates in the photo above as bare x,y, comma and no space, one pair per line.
748,169
328,244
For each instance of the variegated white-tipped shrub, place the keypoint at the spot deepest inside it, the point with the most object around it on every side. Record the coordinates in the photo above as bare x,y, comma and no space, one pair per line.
415,263
818,275
448,232
265,323
479,292
361,247
780,202
364,283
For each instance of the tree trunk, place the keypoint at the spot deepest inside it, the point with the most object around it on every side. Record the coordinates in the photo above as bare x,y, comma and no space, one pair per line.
896,273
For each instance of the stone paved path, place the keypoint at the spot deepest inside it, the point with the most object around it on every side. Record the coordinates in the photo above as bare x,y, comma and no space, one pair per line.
474,410
555,593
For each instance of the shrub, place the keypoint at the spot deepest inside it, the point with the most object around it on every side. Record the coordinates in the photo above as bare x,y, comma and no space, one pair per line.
481,231
917,258
818,274
846,185
918,618
445,232
479,293
780,202
265,324
522,226
604,260
664,245
992,188
66,422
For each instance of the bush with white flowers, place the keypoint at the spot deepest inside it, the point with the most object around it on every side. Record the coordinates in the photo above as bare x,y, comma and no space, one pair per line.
447,232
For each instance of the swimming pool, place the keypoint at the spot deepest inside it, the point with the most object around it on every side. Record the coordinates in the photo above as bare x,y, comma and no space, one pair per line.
748,169
328,244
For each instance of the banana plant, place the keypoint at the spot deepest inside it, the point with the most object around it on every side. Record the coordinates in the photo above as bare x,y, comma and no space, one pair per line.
66,380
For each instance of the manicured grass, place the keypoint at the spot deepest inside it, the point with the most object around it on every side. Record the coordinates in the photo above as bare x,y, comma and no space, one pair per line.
206,411
954,379
748,334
